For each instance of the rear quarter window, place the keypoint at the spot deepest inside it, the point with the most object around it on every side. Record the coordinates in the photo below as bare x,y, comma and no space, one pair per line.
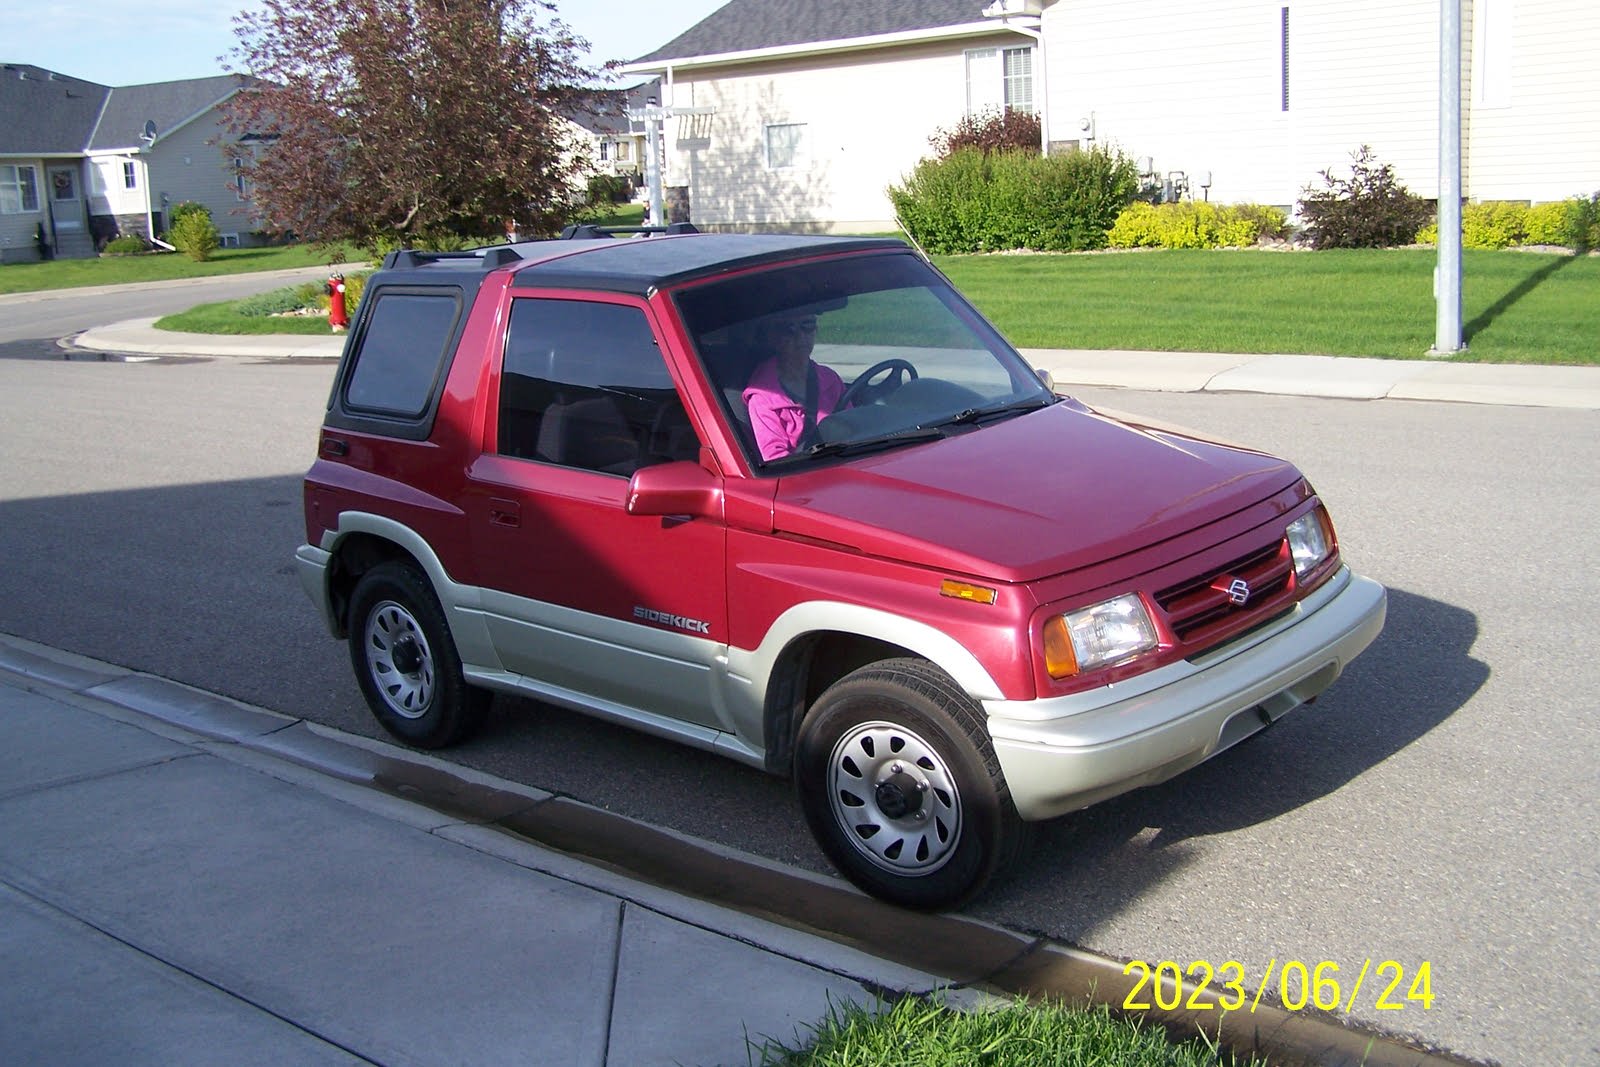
403,347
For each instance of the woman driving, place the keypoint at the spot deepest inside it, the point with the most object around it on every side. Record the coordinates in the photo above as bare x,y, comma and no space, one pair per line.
789,393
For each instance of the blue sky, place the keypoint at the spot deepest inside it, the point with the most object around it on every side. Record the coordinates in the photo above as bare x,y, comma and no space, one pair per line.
166,40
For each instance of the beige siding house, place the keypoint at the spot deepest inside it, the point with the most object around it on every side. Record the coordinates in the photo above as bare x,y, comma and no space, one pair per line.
815,108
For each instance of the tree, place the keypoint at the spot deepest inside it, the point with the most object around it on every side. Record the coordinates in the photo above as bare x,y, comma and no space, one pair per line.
385,121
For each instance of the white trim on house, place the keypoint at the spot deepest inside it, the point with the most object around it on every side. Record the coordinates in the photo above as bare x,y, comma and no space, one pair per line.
815,48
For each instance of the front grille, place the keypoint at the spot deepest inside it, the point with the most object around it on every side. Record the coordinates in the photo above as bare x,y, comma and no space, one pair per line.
1205,609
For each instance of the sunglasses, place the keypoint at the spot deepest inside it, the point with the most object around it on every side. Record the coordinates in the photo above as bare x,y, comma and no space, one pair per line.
795,327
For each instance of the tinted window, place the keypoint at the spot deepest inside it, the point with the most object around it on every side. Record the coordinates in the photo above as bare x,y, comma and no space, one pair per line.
584,385
406,339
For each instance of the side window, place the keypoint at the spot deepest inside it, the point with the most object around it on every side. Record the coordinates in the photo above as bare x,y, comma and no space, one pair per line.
584,385
403,346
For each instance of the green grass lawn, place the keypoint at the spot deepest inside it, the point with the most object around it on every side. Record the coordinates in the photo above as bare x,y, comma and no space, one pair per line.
1517,307
163,266
915,1031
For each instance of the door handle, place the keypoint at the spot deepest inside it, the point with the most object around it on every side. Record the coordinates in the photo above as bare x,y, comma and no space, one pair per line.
505,512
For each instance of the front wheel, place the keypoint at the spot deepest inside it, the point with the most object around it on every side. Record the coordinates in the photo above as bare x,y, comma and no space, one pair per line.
407,663
901,787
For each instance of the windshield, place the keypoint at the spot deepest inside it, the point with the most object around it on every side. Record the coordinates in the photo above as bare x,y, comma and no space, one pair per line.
852,354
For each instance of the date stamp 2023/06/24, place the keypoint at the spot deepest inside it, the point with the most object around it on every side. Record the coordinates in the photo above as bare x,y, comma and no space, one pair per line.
1200,986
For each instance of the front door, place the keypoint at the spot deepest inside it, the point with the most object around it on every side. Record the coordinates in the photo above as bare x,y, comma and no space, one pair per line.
66,200
578,594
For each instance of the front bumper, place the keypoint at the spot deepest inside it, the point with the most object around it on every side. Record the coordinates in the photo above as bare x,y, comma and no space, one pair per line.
1060,754
311,564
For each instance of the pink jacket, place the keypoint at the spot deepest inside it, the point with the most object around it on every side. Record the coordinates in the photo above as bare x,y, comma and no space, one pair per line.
777,418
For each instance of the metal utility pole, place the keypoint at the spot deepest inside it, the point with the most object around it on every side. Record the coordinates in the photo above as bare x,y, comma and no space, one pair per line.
1447,275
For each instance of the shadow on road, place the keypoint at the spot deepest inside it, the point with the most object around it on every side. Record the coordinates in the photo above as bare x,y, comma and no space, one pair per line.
1417,674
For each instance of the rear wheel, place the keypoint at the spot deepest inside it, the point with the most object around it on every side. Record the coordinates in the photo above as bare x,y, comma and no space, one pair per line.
901,787
407,663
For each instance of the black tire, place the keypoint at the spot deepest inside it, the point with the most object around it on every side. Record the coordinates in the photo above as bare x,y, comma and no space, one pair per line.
407,663
900,785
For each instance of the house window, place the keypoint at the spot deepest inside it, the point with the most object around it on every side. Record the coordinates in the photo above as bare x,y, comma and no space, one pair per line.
1019,79
784,142
130,175
622,151
999,78
240,185
19,189
605,151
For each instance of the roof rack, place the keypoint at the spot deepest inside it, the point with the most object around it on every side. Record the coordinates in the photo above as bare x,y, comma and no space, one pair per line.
410,258
583,231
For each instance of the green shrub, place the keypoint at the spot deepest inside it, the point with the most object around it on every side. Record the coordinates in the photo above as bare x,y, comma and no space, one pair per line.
194,234
1194,224
126,244
275,302
1494,224
989,131
182,210
1550,223
427,241
1369,209
972,201
608,189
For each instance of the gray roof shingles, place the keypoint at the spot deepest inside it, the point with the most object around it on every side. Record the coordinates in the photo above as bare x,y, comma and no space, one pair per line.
743,25
45,113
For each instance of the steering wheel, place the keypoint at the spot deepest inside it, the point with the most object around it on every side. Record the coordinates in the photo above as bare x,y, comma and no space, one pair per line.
896,372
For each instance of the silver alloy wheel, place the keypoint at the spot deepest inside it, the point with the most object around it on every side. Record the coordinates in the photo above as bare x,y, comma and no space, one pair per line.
894,796
400,660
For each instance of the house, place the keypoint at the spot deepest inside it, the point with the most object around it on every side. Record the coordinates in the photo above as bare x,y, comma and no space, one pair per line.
615,141
815,108
82,162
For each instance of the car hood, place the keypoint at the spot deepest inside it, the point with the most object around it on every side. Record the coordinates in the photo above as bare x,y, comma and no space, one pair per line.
1038,495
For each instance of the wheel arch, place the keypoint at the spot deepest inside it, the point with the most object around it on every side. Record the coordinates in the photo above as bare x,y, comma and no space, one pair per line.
813,645
362,541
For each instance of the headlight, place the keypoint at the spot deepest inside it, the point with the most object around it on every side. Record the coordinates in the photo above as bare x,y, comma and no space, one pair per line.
1097,636
1310,540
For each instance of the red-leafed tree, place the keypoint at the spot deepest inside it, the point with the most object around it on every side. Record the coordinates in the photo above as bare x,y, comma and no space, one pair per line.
408,121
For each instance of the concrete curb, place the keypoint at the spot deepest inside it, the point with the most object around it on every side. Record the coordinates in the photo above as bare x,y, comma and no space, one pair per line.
832,925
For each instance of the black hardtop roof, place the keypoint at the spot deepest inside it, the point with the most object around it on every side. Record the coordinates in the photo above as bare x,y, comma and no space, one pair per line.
642,264
637,265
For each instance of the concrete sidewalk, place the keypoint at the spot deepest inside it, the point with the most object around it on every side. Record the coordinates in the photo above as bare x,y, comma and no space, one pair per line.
185,879
181,894
1344,377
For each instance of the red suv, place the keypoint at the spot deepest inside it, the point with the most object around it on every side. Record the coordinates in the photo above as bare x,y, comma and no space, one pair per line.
793,500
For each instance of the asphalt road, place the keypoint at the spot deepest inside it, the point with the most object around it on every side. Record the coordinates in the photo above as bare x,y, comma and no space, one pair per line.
1437,806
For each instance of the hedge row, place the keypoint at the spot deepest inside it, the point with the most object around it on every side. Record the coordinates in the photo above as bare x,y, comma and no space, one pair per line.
976,202
1195,224
1573,223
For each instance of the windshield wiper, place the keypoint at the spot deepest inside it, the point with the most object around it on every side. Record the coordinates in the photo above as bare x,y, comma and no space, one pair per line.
971,415
869,444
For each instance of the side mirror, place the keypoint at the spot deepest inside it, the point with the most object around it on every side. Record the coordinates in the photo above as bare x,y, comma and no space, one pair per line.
1046,377
681,488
